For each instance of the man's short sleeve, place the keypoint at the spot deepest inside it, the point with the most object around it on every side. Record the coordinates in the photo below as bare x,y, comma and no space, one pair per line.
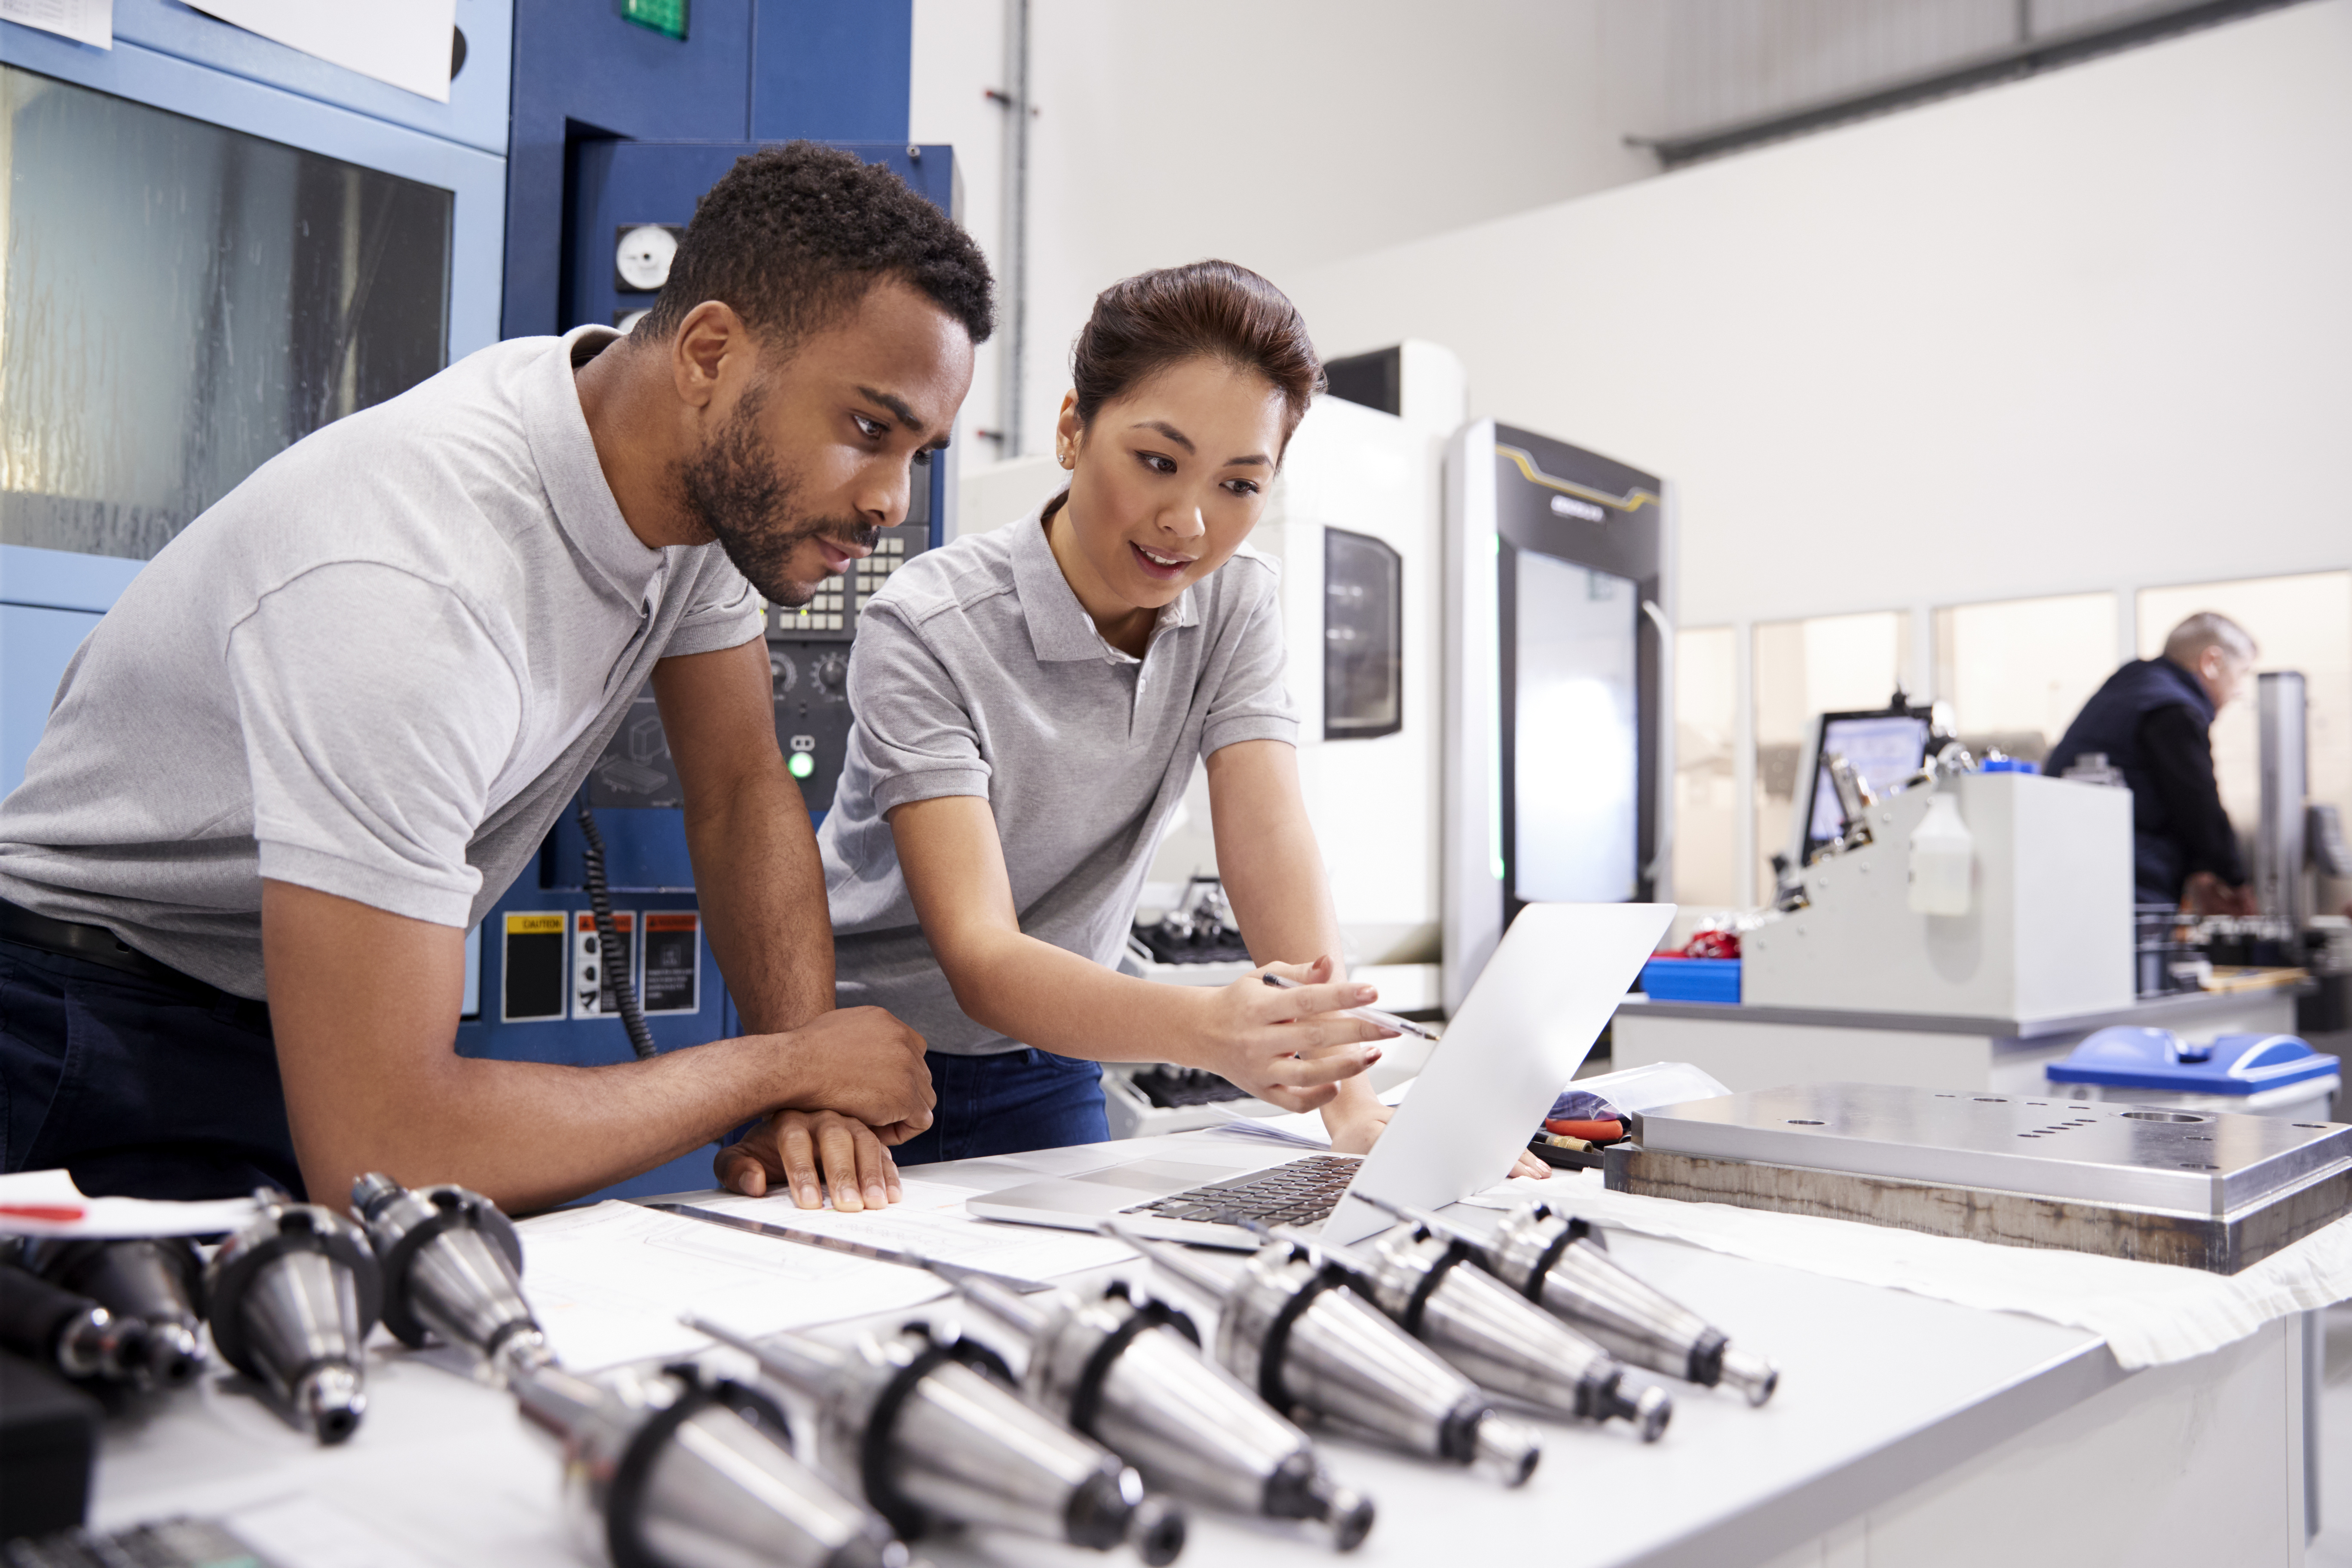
1252,702
376,711
725,612
914,727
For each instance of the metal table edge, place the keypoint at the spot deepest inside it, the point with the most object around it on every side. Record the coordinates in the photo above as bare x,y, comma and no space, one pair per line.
2182,1007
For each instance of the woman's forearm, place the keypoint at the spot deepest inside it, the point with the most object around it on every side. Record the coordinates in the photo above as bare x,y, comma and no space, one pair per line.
1048,997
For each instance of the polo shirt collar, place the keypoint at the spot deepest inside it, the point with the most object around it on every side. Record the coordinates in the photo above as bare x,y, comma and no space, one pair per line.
565,455
1060,630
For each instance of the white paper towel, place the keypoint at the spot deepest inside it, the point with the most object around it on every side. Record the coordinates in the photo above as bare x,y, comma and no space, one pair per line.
2150,1313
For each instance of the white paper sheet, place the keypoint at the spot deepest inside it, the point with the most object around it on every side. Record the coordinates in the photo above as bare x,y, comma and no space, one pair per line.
84,21
317,1534
1298,1128
404,42
609,1283
932,1221
46,1203
2150,1313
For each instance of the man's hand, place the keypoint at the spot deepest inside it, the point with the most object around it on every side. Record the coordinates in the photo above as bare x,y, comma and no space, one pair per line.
363,1004
1290,1047
808,1151
2207,894
863,1063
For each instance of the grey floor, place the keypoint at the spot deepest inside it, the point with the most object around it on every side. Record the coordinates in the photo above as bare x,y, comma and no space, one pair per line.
2333,1549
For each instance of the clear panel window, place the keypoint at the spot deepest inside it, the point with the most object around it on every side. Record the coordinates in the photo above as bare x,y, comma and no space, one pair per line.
1363,637
1802,668
2017,672
2301,623
1575,740
180,303
1707,800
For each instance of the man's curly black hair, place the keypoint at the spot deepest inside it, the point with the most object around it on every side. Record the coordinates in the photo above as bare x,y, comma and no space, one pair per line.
793,237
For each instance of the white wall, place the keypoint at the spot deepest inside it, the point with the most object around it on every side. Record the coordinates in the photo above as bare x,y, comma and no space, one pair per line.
2086,332
1280,136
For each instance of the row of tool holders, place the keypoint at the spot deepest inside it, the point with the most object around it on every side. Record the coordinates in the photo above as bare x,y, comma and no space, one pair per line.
1095,1419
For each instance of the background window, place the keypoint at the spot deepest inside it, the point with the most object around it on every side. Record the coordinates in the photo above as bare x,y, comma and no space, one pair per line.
1804,668
2017,672
2301,623
1707,800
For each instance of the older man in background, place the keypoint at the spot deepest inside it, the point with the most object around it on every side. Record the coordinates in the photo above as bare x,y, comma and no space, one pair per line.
2153,718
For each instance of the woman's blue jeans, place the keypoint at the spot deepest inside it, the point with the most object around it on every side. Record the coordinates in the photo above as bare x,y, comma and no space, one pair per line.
1007,1104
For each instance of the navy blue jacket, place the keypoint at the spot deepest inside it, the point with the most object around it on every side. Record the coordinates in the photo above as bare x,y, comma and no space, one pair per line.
2152,719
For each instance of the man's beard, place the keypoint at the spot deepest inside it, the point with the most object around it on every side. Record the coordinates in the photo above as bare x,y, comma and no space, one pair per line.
736,488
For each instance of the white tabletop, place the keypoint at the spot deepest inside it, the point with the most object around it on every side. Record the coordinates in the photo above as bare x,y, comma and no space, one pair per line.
1880,1391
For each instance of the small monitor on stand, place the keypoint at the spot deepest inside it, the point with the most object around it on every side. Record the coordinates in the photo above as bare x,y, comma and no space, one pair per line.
1885,746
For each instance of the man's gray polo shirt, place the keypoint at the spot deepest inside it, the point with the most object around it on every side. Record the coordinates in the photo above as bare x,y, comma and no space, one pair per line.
977,672
378,667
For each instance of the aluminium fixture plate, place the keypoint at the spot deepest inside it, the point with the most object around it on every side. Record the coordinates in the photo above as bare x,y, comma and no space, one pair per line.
2208,1190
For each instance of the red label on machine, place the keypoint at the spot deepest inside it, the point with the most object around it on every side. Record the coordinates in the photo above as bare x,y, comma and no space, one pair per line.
672,972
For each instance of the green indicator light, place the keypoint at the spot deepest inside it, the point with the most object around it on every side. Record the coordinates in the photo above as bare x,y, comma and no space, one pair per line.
802,765
666,17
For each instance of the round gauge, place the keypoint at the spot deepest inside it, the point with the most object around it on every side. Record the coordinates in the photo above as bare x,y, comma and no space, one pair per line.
644,256
783,670
627,321
830,676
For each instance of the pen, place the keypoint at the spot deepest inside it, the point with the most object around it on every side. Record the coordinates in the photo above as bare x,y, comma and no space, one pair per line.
946,1270
1368,1015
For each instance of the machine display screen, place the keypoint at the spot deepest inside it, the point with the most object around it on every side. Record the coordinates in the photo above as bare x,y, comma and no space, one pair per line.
1576,772
182,301
1884,749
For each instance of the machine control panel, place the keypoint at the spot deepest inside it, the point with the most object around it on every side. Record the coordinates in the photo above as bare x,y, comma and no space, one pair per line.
808,672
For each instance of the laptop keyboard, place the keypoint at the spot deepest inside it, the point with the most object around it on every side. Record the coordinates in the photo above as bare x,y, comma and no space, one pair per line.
1303,1192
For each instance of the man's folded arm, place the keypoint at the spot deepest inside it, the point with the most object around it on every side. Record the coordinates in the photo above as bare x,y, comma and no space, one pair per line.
364,1004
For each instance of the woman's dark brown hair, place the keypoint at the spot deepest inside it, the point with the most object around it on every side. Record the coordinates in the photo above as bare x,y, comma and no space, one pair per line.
1144,325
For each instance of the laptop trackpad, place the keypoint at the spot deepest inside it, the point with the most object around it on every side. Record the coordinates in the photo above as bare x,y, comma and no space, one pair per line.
1157,1176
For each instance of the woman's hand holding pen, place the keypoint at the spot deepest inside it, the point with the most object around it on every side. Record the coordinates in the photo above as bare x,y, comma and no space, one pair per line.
1291,1047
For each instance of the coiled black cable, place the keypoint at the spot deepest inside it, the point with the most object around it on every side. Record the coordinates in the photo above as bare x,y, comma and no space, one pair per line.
608,939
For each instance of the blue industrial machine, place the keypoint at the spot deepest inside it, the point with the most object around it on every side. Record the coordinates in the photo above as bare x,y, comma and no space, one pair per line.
505,211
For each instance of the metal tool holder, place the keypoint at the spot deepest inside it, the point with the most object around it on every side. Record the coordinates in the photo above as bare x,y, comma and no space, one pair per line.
1131,1374
291,1298
928,1428
156,1280
1427,1284
1560,1265
1289,1326
677,1470
452,1269
71,1333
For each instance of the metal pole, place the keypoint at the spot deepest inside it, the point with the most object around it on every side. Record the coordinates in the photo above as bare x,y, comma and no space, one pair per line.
1014,248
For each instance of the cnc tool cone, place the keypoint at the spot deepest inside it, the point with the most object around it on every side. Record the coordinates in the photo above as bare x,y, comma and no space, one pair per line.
1563,1269
61,1329
1558,1264
154,1279
1132,1376
1428,1284
452,1269
673,1470
930,1430
291,1298
1290,1328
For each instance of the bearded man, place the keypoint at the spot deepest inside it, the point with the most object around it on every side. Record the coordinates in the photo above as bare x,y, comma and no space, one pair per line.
324,730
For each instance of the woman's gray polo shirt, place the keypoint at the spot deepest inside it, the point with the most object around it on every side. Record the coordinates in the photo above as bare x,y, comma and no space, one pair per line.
977,672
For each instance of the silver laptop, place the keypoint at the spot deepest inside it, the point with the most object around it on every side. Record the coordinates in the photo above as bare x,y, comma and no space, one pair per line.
1520,1038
